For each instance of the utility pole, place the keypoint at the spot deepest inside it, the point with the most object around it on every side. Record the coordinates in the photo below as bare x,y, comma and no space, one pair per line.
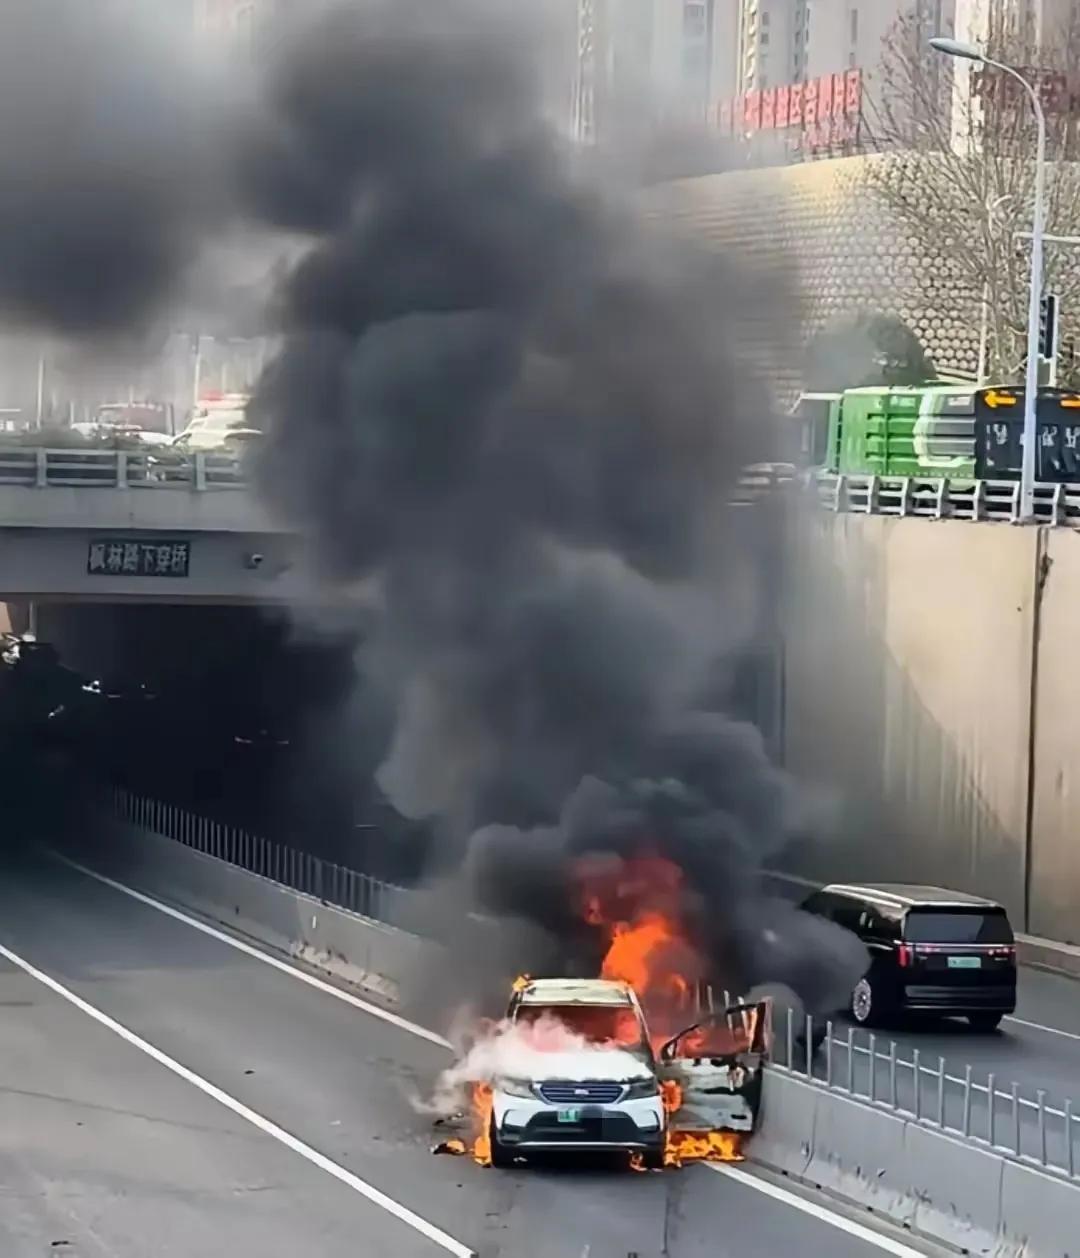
584,103
41,388
956,48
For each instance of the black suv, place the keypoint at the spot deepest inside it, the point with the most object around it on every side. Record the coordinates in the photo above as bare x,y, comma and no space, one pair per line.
932,951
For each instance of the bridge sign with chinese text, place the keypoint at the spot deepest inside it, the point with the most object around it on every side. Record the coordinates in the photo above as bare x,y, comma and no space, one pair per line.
116,558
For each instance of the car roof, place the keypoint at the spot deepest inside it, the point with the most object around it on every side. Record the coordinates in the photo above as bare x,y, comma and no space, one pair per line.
574,991
912,895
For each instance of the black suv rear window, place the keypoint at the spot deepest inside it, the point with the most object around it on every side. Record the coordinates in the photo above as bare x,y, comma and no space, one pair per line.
959,926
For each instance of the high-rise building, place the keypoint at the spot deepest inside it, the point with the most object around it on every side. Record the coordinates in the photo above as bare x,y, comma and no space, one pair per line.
793,41
680,54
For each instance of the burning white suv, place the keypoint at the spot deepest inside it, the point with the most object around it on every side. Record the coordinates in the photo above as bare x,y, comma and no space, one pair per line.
585,1077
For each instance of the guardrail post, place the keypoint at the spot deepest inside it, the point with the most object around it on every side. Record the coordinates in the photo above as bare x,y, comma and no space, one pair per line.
1070,1165
200,470
851,1060
991,1085
966,1128
121,469
790,1041
809,1046
871,1087
892,1073
1040,1096
41,468
1016,1117
917,1064
828,1053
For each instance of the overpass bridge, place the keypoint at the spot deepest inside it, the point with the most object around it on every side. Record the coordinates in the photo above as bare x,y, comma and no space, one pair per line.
113,525
116,525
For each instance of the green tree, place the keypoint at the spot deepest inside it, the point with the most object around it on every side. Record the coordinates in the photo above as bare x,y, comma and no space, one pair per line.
865,348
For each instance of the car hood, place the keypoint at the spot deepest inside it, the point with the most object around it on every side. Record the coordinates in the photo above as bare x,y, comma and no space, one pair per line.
578,1066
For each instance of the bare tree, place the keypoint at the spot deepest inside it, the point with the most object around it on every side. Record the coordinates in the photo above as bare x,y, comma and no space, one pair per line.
958,174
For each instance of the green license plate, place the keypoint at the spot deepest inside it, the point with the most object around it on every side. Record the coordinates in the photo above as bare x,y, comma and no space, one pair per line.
965,963
569,1116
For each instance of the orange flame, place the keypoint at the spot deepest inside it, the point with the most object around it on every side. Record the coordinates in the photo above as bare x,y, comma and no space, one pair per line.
631,948
695,1146
638,903
482,1103
702,1146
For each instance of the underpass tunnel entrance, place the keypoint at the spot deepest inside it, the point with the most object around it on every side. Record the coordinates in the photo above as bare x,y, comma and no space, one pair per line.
229,712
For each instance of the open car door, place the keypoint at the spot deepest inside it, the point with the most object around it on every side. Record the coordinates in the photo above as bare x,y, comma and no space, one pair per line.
716,1065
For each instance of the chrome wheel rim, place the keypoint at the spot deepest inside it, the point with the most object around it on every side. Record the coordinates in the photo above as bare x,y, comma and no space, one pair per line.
861,1000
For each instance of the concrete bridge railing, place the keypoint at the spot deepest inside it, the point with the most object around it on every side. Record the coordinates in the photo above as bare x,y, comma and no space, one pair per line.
42,468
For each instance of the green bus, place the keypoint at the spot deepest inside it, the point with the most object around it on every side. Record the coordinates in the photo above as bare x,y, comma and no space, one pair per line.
939,430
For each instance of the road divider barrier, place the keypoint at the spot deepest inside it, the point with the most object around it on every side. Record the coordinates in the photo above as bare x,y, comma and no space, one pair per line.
906,1167
368,954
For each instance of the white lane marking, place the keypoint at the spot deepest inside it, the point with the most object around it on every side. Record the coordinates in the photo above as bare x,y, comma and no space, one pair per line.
1038,1026
403,1024
414,1028
372,1194
885,1243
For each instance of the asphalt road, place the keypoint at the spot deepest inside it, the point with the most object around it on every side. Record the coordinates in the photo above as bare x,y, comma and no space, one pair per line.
227,1107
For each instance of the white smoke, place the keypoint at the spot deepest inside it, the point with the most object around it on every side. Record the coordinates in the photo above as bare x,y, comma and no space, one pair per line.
546,1049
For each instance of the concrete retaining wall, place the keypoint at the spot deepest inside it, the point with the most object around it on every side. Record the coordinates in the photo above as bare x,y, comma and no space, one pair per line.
931,698
908,679
364,953
925,1180
1055,820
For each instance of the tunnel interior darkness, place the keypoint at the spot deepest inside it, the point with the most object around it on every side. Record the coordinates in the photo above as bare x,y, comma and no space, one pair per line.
234,714
226,711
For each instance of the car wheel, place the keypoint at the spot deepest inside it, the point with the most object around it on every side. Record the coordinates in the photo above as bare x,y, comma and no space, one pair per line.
653,1159
985,1023
501,1157
863,1008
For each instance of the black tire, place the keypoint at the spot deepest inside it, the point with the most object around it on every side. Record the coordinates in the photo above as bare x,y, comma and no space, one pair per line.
653,1159
985,1023
501,1157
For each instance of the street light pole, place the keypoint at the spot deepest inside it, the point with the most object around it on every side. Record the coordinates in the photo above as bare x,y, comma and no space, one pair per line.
954,48
992,208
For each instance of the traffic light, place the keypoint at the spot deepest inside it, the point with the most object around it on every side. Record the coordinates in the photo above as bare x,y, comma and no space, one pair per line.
1048,326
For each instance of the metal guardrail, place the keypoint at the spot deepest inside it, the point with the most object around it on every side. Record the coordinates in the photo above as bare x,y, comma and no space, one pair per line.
1032,1129
942,498
146,469
334,884
931,498
119,469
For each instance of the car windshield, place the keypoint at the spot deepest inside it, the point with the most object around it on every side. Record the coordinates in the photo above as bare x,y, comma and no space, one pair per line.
598,1024
958,926
149,417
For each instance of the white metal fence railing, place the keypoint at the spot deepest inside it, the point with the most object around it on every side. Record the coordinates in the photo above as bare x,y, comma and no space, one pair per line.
930,497
300,871
1014,1120
940,498
1019,1121
119,469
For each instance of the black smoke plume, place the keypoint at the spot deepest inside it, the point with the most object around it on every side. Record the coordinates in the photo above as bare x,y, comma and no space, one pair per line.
109,171
519,410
